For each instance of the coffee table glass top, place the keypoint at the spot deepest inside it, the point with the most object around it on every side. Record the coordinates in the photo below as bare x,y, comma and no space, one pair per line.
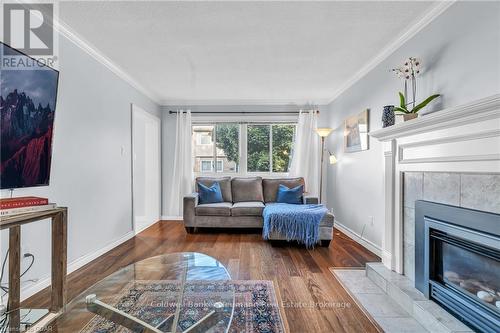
178,292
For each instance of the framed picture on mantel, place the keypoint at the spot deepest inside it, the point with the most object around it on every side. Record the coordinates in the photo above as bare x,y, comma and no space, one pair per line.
356,132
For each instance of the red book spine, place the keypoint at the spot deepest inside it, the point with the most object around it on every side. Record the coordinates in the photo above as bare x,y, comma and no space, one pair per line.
23,202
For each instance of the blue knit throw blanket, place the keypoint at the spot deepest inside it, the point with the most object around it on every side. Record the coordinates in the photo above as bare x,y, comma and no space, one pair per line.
295,222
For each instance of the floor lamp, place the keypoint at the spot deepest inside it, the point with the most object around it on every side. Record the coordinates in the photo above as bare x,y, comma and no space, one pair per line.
323,133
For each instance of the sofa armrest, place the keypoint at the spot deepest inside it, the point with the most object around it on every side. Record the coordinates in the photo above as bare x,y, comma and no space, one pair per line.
309,200
189,204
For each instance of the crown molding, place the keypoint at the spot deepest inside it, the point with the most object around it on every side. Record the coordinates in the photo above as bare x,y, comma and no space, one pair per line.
479,110
71,35
198,102
416,27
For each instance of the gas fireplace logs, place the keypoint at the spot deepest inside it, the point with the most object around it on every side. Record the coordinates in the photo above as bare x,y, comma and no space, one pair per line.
481,289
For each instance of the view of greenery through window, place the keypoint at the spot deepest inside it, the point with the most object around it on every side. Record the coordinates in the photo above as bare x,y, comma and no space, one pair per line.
227,140
259,138
269,146
282,146
258,148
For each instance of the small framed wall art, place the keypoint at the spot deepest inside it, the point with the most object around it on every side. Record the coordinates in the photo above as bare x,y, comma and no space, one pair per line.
356,132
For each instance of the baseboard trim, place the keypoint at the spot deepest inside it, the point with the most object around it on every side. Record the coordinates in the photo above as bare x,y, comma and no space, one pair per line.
74,265
142,228
171,218
358,239
138,229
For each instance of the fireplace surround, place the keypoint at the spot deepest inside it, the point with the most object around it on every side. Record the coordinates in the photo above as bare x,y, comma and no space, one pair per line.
462,139
452,157
457,262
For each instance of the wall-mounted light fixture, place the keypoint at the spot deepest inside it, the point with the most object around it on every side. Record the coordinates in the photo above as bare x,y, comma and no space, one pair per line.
332,158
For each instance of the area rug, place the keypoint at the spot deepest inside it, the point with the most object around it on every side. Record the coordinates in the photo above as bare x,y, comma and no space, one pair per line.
256,309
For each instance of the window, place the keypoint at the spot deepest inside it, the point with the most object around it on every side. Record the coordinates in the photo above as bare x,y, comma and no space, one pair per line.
265,148
220,165
258,148
227,152
206,166
282,143
203,151
216,145
204,138
269,147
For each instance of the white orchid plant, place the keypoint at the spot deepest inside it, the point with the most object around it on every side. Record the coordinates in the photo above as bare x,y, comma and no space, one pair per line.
409,71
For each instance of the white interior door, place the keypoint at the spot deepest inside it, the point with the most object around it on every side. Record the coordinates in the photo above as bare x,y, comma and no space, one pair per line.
146,179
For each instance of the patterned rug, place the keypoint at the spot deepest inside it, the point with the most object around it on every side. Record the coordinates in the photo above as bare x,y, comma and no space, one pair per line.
256,309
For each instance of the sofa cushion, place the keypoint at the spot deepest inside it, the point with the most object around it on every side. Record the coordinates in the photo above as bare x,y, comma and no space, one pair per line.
247,189
249,208
224,183
290,195
270,186
214,209
210,194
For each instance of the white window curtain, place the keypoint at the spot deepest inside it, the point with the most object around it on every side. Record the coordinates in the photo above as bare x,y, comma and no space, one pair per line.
182,179
305,159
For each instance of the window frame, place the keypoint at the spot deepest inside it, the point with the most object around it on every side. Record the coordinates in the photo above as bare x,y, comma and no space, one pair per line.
243,149
203,161
217,165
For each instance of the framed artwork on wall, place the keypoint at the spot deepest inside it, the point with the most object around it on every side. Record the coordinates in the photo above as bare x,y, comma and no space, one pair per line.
356,132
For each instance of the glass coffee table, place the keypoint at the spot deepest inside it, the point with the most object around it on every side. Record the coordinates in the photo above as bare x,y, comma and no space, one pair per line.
178,292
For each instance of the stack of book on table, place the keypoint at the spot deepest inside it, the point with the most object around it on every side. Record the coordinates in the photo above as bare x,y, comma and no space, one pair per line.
23,205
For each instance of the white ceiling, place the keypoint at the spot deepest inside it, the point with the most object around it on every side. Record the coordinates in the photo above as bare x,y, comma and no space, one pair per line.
241,52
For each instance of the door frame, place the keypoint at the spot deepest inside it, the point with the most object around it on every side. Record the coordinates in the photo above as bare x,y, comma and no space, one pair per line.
134,108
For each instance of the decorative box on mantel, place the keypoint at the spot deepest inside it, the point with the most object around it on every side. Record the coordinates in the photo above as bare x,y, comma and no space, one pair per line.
456,141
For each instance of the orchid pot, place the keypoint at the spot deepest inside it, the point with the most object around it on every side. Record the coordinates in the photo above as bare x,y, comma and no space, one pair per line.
410,116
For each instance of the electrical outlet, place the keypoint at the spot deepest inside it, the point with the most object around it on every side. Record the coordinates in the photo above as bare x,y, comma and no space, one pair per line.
371,221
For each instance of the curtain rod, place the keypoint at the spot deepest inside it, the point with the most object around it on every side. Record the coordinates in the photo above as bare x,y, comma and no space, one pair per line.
240,112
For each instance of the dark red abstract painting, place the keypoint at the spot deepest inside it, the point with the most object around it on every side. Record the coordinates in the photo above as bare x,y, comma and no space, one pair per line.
27,108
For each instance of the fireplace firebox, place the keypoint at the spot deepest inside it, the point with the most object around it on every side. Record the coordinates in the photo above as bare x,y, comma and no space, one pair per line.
457,262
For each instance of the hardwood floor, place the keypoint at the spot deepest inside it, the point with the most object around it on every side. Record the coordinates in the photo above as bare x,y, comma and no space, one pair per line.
313,300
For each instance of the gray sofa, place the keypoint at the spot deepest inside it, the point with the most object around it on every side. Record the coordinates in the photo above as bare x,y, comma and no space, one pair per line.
244,200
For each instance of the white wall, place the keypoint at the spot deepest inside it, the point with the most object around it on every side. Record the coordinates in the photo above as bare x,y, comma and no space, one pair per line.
460,52
90,175
168,132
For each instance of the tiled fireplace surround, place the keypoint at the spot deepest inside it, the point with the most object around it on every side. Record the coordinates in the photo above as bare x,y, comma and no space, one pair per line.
449,157
480,191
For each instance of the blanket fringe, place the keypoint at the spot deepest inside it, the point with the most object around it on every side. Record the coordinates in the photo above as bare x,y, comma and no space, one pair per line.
294,222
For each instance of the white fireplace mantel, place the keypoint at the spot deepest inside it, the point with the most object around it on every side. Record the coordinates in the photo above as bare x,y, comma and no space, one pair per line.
464,138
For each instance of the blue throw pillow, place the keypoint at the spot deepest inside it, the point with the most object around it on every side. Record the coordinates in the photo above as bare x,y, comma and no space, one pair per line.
290,195
210,194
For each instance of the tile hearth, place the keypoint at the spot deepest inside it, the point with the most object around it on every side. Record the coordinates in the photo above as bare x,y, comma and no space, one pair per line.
394,303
